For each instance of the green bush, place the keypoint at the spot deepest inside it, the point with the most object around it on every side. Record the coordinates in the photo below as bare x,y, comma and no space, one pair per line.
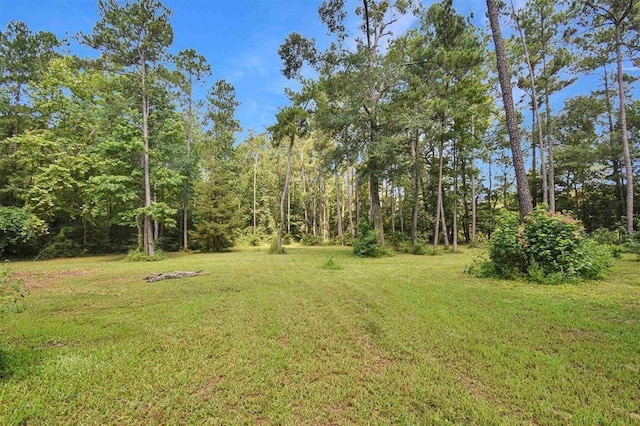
507,248
140,256
12,292
606,236
546,248
18,227
273,247
310,240
633,243
366,242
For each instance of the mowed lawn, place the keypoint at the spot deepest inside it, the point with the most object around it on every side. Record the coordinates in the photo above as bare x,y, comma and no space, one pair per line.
267,339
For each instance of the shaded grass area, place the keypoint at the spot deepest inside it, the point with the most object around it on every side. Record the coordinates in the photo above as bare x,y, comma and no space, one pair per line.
265,339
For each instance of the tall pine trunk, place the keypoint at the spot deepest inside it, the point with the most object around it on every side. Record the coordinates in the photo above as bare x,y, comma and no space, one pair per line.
536,111
415,184
524,195
625,137
285,193
436,231
148,222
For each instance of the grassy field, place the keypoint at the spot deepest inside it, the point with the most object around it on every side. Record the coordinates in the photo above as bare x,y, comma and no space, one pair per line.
265,339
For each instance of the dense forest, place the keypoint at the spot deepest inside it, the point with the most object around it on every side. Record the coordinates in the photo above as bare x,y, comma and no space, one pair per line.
407,132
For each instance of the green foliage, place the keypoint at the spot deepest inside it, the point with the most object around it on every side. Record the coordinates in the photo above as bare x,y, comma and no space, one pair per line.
310,240
546,248
140,256
18,225
633,243
331,264
606,236
274,248
12,292
366,242
215,213
64,244
507,250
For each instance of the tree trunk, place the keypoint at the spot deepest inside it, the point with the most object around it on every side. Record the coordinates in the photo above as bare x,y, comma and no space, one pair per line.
393,211
376,208
454,221
285,193
473,188
552,178
415,184
534,105
436,232
185,192
352,231
524,195
339,210
625,137
255,204
443,218
617,178
465,201
148,223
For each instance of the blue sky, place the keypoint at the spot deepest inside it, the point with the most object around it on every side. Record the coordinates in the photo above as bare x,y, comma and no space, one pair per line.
240,39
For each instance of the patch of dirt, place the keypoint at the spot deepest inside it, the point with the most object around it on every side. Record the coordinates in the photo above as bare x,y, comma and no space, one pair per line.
375,359
35,280
282,341
205,391
472,386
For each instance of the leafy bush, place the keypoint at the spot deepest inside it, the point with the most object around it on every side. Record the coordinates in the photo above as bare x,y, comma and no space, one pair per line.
140,256
273,247
366,242
64,244
12,292
546,248
633,244
18,225
507,249
310,240
606,236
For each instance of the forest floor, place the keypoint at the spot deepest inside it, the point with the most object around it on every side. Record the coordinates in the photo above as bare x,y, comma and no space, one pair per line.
268,339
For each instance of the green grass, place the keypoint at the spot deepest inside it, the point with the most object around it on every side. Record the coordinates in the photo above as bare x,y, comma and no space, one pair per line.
268,339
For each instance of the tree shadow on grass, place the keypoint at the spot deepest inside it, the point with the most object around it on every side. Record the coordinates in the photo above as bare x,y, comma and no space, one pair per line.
17,361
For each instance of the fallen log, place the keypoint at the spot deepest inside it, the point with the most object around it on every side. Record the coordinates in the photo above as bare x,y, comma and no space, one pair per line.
171,275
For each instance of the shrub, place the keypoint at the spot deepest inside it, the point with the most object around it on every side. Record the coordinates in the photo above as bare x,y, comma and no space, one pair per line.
633,244
606,236
12,292
507,248
310,240
366,242
547,248
140,256
64,244
18,227
273,247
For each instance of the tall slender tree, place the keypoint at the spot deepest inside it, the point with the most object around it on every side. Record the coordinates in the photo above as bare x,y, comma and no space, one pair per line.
193,68
504,75
135,36
612,22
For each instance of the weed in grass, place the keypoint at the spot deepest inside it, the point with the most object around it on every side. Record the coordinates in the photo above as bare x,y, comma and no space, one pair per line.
331,264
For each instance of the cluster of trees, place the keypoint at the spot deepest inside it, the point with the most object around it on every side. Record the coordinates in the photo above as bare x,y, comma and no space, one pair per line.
402,130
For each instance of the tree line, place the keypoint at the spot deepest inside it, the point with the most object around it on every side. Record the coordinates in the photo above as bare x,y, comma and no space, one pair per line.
400,130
